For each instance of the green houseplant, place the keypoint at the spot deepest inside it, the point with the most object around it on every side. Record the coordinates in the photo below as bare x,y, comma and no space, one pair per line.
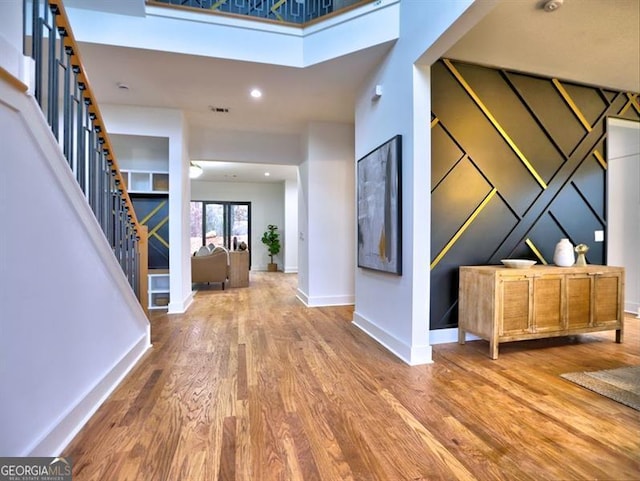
271,238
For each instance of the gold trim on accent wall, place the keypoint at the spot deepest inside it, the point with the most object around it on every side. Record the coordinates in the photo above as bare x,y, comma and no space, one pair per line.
435,122
495,123
632,102
218,4
159,225
275,7
572,105
153,212
599,158
162,241
464,227
536,251
154,231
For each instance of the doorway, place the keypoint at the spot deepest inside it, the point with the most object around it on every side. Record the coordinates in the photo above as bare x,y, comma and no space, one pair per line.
623,204
220,223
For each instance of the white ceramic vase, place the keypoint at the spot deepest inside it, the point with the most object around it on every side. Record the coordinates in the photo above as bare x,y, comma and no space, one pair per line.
564,255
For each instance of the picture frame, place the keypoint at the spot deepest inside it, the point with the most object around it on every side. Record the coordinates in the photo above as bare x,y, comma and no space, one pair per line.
379,195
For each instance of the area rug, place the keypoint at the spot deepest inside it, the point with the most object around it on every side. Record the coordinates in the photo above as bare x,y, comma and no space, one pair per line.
622,385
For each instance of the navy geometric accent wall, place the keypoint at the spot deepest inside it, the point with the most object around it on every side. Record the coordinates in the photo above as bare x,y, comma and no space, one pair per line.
518,162
152,211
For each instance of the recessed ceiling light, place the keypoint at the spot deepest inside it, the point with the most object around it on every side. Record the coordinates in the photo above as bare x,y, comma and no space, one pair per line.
267,174
123,86
256,93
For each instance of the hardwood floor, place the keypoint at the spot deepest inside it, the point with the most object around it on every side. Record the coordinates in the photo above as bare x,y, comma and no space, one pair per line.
251,385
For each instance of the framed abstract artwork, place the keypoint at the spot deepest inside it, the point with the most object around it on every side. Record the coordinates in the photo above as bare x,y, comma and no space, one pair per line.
379,187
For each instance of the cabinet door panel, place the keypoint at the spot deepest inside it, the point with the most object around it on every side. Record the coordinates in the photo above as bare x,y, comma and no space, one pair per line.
547,304
607,292
515,308
578,302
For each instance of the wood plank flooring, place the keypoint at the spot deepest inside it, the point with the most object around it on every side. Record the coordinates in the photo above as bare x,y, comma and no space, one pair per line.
250,385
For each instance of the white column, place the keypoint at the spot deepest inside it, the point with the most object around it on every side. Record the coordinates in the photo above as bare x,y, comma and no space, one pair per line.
171,124
623,212
291,226
327,184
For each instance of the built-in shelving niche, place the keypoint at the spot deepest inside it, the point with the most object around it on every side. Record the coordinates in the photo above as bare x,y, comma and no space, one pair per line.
144,164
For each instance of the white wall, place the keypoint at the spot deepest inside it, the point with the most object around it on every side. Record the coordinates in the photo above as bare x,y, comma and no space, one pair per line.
11,37
623,213
70,325
179,168
170,124
303,226
226,37
137,152
253,147
371,24
404,108
124,7
291,226
238,38
267,207
327,183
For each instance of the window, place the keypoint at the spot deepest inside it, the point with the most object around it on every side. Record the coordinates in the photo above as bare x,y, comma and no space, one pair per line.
219,223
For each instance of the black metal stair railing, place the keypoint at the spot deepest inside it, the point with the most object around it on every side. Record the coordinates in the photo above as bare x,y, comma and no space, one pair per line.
65,97
292,11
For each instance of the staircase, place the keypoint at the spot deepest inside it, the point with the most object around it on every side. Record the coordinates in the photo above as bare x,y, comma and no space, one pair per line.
63,92
70,248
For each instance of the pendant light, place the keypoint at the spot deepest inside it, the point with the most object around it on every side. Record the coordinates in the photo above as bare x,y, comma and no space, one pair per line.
195,170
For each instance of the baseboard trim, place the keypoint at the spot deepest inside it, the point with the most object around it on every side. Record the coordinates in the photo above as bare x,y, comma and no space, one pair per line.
325,301
181,307
632,307
412,355
70,423
302,297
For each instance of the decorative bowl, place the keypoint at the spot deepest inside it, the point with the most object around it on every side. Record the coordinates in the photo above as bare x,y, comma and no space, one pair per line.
518,263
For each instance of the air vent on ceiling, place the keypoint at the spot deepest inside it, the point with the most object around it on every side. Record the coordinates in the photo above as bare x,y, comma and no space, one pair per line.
218,110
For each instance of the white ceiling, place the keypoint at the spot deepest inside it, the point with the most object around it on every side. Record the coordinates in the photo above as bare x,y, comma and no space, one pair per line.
291,96
594,42
245,172
590,41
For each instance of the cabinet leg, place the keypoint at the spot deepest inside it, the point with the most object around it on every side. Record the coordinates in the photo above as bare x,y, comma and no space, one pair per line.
461,336
619,336
493,348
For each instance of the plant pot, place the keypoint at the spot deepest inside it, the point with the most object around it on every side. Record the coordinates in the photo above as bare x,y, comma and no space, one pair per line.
272,267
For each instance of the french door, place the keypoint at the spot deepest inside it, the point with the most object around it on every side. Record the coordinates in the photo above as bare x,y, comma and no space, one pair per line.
220,224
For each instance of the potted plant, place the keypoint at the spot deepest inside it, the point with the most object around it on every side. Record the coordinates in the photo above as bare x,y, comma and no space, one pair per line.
271,239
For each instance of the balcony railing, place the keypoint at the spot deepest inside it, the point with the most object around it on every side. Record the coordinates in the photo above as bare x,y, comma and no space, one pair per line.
298,12
63,92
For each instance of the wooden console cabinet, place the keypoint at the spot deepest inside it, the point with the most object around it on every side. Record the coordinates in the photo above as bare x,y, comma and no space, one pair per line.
239,268
502,304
